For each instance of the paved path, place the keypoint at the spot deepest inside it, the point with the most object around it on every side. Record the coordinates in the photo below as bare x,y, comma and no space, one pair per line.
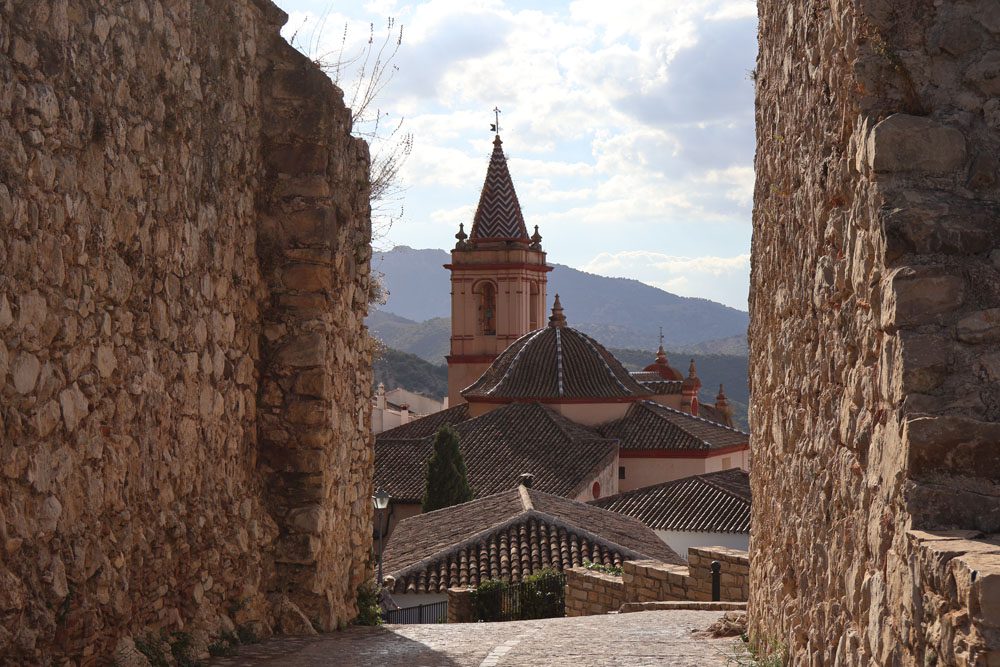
645,638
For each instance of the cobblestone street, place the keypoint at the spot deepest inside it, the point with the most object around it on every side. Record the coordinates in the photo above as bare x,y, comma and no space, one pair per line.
646,638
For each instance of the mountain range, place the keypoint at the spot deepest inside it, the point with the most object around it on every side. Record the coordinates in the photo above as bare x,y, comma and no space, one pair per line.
619,312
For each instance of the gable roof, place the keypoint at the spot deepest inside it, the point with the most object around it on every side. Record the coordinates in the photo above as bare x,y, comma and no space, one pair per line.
497,447
717,502
498,216
555,363
509,535
429,425
649,425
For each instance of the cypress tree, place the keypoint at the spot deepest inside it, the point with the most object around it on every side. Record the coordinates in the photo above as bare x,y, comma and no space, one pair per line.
447,483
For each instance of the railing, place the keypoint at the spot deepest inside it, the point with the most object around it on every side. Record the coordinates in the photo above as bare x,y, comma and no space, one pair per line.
436,612
544,597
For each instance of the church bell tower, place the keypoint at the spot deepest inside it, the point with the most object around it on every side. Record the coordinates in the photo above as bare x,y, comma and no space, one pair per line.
498,279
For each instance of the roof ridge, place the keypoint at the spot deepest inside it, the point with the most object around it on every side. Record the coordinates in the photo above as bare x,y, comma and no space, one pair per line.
604,361
691,416
559,363
525,497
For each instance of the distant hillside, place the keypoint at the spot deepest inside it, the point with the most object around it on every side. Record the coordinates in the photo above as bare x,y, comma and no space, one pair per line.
398,369
428,340
617,311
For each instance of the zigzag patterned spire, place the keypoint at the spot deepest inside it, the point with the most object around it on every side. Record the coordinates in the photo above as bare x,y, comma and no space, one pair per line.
498,216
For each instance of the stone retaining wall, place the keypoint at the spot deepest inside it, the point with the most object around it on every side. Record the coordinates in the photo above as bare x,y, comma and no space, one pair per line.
184,370
653,581
589,592
642,581
875,330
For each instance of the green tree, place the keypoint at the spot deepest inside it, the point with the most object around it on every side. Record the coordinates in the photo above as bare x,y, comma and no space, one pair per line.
447,483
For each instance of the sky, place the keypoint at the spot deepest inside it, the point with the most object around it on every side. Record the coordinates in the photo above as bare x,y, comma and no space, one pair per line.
628,125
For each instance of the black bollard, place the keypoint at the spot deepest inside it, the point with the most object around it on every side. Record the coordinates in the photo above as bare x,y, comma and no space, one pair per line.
716,581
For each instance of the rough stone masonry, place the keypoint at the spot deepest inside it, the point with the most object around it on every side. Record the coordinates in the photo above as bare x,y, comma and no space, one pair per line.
875,332
184,370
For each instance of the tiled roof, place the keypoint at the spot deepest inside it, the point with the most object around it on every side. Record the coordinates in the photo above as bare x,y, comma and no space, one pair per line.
656,384
717,502
509,535
711,413
649,425
497,448
498,216
661,366
555,363
429,425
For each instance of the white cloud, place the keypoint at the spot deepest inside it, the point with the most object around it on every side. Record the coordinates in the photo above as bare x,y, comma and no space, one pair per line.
634,118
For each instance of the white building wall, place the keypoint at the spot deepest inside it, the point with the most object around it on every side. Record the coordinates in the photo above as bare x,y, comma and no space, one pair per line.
680,541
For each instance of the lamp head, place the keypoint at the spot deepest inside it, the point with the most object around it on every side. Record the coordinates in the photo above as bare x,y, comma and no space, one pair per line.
381,499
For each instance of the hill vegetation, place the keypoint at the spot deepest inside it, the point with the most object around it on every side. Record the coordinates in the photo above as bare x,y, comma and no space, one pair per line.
397,369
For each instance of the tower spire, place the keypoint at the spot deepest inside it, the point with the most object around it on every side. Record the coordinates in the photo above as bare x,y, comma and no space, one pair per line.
498,216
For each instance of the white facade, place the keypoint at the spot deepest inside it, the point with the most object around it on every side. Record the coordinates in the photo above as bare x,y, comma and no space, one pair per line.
399,406
681,540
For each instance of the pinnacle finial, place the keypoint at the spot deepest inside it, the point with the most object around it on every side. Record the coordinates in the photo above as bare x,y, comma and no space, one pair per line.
536,240
461,236
692,371
722,393
557,318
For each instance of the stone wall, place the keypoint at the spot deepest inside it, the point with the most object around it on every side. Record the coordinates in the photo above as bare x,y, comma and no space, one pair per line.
183,367
653,581
589,592
642,581
875,336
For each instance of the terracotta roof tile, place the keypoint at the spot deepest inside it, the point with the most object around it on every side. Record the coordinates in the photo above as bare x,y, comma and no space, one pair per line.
717,502
498,216
429,425
649,425
555,363
498,447
510,535
656,384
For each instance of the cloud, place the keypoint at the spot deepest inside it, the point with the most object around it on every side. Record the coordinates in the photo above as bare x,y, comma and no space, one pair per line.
628,127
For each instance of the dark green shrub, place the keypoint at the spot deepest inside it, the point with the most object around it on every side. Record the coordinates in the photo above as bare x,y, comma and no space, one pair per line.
369,604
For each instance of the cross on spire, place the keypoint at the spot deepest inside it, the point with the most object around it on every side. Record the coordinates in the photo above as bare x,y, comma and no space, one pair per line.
495,127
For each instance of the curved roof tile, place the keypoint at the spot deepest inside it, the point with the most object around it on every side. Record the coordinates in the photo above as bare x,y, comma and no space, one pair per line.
553,363
717,502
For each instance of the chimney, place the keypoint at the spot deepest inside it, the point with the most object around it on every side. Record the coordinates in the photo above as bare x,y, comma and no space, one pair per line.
526,479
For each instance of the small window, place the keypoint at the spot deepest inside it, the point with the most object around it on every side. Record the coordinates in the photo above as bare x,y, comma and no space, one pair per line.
487,308
621,472
727,462
597,490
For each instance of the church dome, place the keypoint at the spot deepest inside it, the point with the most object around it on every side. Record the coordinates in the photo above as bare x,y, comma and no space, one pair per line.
553,364
662,367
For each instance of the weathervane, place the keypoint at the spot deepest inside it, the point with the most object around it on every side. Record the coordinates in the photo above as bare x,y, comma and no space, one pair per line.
495,127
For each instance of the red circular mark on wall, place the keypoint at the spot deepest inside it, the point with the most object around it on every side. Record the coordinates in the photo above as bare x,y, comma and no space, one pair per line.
597,490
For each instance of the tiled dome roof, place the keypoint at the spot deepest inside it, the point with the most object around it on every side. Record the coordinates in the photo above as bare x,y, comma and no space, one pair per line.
663,368
553,363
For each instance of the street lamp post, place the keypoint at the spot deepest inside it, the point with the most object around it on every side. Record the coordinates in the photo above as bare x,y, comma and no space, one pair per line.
381,502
